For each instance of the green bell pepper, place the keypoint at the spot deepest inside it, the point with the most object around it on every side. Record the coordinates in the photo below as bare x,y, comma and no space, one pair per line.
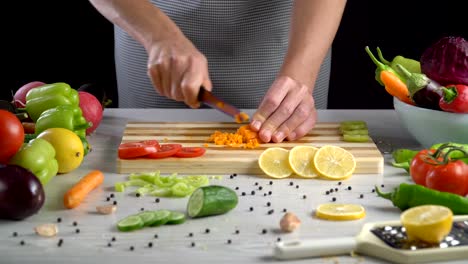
38,156
49,96
64,116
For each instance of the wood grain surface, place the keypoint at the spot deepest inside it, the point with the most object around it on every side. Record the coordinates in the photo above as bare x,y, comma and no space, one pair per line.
226,160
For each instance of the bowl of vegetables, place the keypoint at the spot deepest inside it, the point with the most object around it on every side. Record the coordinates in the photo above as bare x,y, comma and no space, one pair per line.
429,126
430,94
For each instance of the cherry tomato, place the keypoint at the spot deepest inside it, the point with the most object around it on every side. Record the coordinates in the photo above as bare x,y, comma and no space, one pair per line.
451,177
164,151
190,152
130,150
11,135
420,165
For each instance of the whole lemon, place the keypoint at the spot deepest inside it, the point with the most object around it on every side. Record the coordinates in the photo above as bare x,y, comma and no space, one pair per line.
69,150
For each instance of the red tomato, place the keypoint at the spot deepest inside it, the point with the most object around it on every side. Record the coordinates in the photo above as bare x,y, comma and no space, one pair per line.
164,151
190,152
130,150
420,165
451,177
11,135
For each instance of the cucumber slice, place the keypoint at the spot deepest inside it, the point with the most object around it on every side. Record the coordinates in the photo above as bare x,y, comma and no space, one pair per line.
211,200
130,223
160,217
148,217
176,218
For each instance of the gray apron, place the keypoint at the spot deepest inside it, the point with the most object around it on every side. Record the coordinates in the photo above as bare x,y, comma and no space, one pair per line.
244,41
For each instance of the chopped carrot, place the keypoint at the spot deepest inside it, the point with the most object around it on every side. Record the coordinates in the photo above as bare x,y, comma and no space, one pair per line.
75,195
241,117
244,137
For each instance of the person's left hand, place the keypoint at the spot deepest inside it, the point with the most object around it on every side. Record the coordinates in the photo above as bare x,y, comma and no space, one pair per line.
286,112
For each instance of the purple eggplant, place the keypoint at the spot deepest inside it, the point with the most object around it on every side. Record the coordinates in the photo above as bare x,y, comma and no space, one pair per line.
424,92
21,193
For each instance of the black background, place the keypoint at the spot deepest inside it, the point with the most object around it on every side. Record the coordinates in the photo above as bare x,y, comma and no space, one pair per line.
69,41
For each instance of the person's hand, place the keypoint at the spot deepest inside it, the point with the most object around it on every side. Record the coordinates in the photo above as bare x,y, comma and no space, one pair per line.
177,69
286,112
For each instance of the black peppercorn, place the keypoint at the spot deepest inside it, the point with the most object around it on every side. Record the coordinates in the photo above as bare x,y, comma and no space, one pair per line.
349,187
115,202
156,236
157,200
339,183
252,192
361,196
15,234
137,194
22,242
291,183
268,204
193,244
243,193
334,199
190,234
234,174
271,211
77,231
237,231
271,182
237,188
264,231
150,244
229,241
142,209
109,244
297,186
251,209
260,188
231,176
75,223
207,230
336,189
112,195
132,248
59,220
113,239
278,239
284,210
256,183
270,192
108,199
327,192
304,196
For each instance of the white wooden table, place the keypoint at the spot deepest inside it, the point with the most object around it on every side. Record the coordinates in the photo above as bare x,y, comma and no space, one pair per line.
173,243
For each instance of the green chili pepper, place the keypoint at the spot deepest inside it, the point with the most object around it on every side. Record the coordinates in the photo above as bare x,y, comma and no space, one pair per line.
382,67
410,195
49,96
411,65
39,157
64,116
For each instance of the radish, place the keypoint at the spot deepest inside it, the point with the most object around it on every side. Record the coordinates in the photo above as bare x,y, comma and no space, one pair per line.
92,110
19,99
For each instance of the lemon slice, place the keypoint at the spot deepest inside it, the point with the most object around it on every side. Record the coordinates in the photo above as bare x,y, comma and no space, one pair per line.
301,160
334,211
428,223
274,162
333,162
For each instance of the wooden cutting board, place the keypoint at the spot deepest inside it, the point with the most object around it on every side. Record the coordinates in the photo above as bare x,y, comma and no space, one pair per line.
227,160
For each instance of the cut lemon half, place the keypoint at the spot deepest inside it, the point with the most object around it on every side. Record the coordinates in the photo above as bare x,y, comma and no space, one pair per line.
333,162
274,162
334,211
428,223
301,160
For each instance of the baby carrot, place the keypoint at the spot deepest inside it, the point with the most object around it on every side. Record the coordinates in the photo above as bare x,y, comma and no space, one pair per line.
75,195
395,86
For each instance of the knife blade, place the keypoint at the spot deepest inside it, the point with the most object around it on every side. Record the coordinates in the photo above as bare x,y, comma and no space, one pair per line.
217,103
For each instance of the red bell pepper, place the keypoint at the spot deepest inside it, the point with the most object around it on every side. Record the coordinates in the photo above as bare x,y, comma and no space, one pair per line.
455,99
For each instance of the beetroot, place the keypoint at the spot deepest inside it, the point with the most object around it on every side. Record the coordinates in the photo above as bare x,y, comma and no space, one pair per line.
92,110
19,98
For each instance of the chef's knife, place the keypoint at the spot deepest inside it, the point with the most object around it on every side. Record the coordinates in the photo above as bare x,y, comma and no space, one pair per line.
217,103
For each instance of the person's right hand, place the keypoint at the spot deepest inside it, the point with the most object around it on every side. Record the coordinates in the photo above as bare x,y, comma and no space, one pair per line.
177,69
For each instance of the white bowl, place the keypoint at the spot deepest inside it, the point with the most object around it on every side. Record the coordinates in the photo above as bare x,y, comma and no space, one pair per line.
429,126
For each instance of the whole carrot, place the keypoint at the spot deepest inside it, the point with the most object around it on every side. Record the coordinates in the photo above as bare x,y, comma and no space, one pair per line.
75,195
